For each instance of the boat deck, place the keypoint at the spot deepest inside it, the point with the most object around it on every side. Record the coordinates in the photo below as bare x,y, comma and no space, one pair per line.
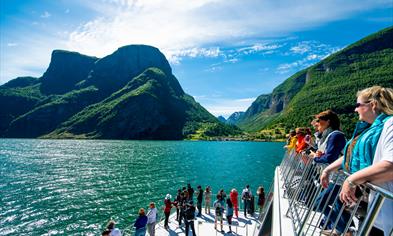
205,225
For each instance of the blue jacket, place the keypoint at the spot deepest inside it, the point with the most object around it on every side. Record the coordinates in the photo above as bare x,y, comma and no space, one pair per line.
335,145
141,222
364,150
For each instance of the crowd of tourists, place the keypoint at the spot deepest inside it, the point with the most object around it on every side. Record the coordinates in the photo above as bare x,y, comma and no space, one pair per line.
367,156
187,212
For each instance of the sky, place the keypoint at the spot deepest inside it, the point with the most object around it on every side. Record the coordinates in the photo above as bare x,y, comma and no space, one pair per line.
224,53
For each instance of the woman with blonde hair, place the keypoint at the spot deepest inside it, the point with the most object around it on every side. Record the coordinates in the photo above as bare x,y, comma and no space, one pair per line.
375,107
140,224
152,219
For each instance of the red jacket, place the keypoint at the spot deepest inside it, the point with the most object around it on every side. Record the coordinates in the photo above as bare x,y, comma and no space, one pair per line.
168,205
233,196
301,143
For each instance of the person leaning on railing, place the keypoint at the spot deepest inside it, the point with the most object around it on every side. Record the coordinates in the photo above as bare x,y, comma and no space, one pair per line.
380,173
301,144
374,106
292,139
330,146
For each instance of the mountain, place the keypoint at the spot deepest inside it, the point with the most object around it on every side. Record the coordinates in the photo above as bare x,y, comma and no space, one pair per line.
130,94
222,119
330,84
235,117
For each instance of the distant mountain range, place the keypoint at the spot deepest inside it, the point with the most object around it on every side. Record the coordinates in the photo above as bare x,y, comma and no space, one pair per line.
330,84
130,94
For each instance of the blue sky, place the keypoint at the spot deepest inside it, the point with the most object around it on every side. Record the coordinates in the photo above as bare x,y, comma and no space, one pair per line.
225,53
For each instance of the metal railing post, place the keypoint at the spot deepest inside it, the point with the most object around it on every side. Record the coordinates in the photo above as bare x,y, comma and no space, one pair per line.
370,218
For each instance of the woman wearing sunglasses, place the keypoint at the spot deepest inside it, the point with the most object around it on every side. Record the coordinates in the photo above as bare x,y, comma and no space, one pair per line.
375,108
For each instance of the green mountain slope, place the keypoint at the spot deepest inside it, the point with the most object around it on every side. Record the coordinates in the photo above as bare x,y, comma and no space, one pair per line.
146,108
330,84
130,94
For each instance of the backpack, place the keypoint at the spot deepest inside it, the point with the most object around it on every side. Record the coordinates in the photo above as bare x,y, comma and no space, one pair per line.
218,209
247,195
190,213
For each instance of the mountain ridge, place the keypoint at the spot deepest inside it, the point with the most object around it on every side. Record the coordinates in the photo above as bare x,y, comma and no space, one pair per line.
331,83
129,94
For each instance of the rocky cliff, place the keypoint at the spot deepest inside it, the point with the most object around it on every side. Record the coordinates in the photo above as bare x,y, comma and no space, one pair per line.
130,94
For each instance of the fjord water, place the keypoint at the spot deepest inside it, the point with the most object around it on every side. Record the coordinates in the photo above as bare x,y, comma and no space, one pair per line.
70,187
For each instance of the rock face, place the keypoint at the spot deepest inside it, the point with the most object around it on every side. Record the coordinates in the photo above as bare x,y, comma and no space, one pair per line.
65,70
112,72
235,118
130,94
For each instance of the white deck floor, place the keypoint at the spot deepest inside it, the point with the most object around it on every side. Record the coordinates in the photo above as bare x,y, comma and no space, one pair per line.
282,224
205,226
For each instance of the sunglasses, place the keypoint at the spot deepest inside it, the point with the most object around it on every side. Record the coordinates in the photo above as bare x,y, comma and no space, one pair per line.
359,104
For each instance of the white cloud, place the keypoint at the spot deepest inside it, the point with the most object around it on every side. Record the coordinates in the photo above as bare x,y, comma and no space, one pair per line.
312,57
214,69
300,49
45,15
259,47
233,60
12,44
311,52
198,52
187,28
220,106
179,26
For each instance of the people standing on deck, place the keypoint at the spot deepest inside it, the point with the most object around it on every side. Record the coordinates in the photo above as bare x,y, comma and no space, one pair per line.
140,223
261,198
218,208
152,219
208,198
246,197
229,214
292,141
379,173
189,216
233,196
309,139
330,147
301,144
375,107
176,203
113,231
332,139
317,134
181,205
199,196
167,209
190,191
223,194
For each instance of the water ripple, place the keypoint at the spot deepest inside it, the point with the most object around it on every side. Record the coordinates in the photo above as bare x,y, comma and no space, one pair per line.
63,187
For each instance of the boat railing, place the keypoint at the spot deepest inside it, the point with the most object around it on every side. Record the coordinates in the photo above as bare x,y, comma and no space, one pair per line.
311,214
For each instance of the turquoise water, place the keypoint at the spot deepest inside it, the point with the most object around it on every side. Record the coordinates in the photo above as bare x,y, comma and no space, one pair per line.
74,187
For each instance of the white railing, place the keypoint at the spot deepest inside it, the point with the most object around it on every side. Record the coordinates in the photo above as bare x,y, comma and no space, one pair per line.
311,214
